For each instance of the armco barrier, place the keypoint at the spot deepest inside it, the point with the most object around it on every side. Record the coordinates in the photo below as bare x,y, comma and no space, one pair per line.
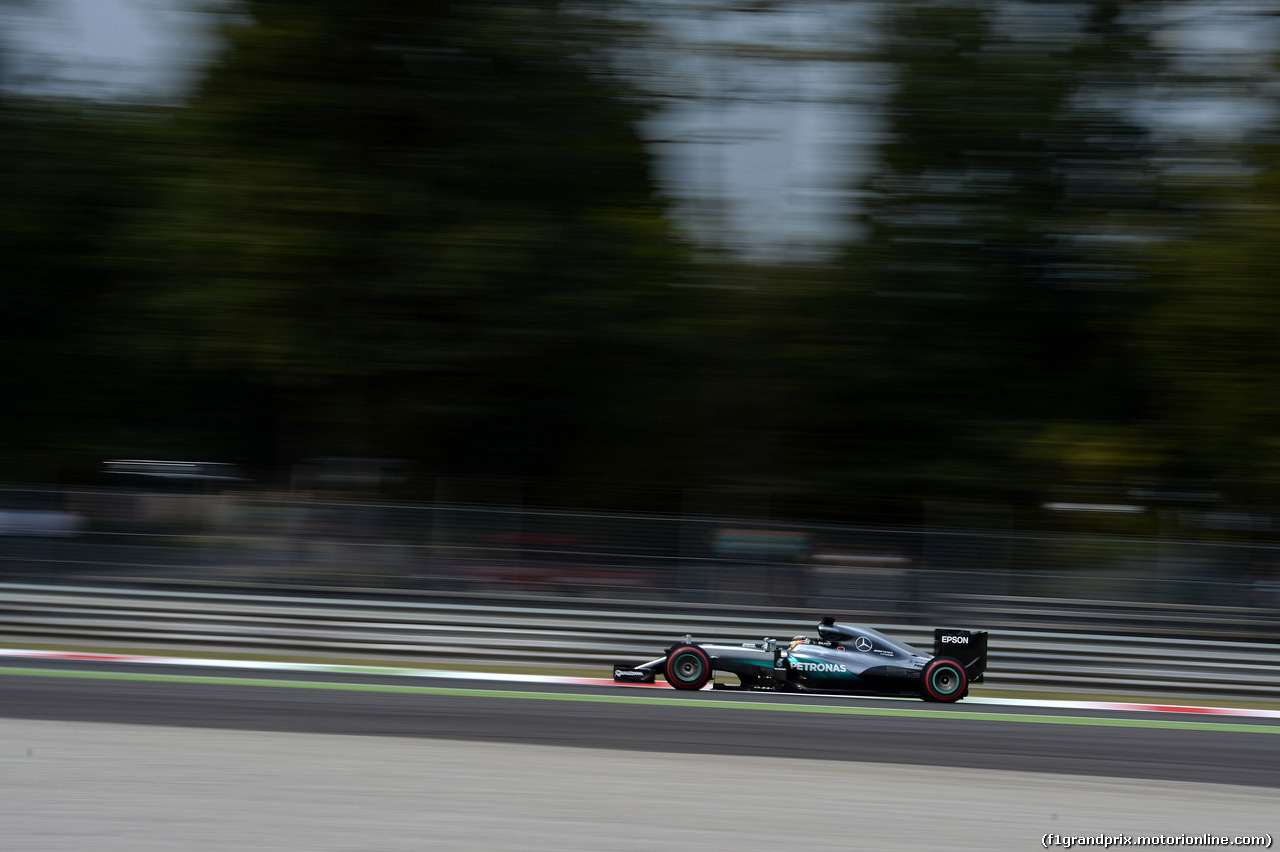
115,618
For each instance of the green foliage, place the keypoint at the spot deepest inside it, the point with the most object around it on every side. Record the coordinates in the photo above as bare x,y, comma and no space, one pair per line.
67,177
428,231
1208,344
978,311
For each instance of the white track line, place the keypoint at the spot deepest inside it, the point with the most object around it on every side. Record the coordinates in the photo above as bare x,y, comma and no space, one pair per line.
502,677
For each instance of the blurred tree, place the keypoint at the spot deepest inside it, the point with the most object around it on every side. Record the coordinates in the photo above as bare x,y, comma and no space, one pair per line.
68,172
1209,347
430,231
984,306
423,230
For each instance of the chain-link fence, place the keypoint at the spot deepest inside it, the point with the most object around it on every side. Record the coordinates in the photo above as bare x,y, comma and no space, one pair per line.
1039,579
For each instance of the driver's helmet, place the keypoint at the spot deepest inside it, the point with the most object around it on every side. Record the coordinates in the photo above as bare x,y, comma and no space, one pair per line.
799,640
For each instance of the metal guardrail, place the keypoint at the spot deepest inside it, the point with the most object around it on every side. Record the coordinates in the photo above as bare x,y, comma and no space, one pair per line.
1170,620
108,617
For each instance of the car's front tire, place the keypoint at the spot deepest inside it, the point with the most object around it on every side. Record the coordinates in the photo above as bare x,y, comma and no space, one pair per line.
688,667
943,679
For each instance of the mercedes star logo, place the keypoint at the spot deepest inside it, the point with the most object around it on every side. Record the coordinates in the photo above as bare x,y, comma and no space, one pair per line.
863,644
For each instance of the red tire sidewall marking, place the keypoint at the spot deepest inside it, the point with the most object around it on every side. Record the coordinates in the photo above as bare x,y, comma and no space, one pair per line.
706,667
928,679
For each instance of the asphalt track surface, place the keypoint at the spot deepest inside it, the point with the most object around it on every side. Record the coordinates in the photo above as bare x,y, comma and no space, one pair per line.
73,786
1140,746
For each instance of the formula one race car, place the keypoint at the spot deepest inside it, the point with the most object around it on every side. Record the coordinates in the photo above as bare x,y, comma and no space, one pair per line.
845,658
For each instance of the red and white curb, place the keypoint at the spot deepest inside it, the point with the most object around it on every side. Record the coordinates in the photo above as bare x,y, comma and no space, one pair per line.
1127,707
504,677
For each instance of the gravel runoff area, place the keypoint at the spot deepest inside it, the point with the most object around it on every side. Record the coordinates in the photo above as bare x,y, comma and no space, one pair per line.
135,788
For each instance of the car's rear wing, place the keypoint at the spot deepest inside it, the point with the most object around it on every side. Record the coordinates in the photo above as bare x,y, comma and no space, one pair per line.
968,647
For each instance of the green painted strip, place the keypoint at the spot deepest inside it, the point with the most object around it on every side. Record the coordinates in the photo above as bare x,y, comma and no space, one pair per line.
653,700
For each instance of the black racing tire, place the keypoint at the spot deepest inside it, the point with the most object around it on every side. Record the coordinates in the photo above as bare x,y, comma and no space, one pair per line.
943,679
688,667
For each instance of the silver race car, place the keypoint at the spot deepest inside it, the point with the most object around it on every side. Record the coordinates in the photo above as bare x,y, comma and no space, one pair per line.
845,658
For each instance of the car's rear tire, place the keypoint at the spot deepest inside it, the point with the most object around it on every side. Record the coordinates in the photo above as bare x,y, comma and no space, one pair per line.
943,679
688,667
